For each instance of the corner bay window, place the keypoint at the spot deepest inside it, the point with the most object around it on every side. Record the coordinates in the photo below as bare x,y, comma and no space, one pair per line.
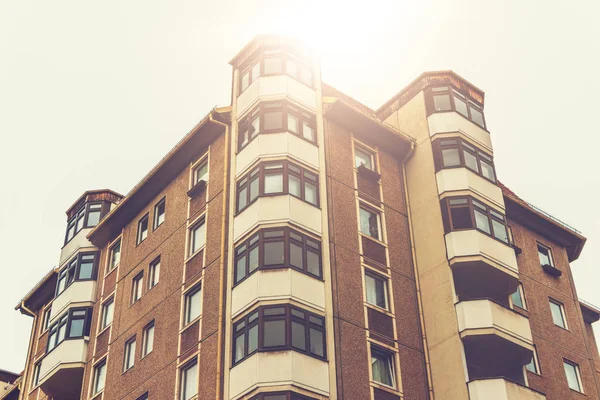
272,63
461,213
81,268
446,98
75,324
279,327
277,248
275,178
276,117
456,153
88,216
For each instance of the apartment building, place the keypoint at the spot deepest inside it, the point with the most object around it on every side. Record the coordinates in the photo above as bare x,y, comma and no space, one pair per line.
299,245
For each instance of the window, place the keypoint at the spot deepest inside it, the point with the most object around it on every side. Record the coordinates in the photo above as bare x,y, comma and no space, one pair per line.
87,216
148,339
382,366
275,178
129,358
370,222
201,172
107,313
154,273
363,157
143,397
558,313
74,324
81,268
99,376
456,152
46,318
573,375
36,375
545,255
137,287
189,380
142,232
518,297
276,64
532,366
279,327
444,98
197,236
193,299
277,248
277,117
159,213
461,213
115,256
376,289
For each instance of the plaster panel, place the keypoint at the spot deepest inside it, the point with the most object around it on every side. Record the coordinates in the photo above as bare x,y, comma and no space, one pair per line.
501,389
454,122
474,243
454,179
78,292
67,352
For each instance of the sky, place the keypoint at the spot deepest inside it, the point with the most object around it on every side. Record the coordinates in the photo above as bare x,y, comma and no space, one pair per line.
94,94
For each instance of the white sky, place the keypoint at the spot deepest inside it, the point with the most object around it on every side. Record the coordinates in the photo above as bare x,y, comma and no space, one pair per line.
93,94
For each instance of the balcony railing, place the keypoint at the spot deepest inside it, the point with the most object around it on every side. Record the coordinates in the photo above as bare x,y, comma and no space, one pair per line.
501,389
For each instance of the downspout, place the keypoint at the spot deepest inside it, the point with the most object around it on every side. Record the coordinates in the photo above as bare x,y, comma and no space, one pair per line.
416,273
23,393
222,263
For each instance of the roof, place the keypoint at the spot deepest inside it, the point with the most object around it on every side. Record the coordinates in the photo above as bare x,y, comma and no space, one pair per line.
92,192
8,376
275,41
40,294
590,312
205,131
543,223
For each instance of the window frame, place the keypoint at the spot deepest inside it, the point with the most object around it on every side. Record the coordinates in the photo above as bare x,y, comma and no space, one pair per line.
535,362
521,291
161,203
375,276
563,313
187,297
183,370
139,238
287,315
391,363
137,287
368,208
154,273
259,238
64,322
289,395
111,264
453,93
82,215
200,223
145,342
550,256
36,374
47,313
262,169
129,354
372,155
577,375
104,313
286,108
463,146
71,272
98,367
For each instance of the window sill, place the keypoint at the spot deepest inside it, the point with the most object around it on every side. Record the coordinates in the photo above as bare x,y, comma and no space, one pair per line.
189,324
364,235
549,269
104,330
379,309
197,189
385,387
194,255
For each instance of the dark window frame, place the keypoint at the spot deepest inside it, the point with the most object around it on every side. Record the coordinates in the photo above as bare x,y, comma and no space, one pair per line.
550,256
286,170
145,341
491,213
143,220
462,146
36,374
183,376
563,313
453,93
71,272
287,315
103,313
284,107
82,215
391,361
97,368
65,321
577,375
143,397
111,264
161,203
127,353
46,319
200,223
187,298
137,285
257,241
289,395
153,277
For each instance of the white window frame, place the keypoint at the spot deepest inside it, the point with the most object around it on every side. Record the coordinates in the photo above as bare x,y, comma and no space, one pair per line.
577,373
376,276
392,364
100,366
129,354
187,299
522,295
148,343
183,371
137,287
535,361
198,224
112,265
139,239
155,224
154,273
370,209
104,313
365,151
562,313
550,257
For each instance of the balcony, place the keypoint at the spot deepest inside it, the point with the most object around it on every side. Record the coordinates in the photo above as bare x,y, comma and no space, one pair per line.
456,179
274,87
276,368
501,389
64,364
481,265
78,292
451,122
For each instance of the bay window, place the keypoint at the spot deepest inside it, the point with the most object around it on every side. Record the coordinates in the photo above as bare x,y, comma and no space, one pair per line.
446,98
88,216
275,63
81,268
457,152
74,324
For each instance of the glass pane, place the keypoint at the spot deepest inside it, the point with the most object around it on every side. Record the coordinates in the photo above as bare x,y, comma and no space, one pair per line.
191,382
488,171
298,336
461,106
381,366
255,128
239,348
254,188
116,255
477,117
441,102
531,366
369,224
481,221
108,313
85,270
273,120
245,81
316,342
313,265
149,340
253,260
61,333
79,224
272,65
296,258
242,199
298,313
294,185
76,328
198,238
450,157
274,311
193,306
557,315
51,341
255,71
376,291
361,157
308,132
544,255
293,123
202,173
276,397
517,300
310,193
252,339
500,231
471,161
100,376
61,284
274,333
93,218
274,183
274,254
240,269
572,379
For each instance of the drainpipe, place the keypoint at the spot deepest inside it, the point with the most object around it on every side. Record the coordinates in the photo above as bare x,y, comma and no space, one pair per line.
416,273
222,262
23,393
